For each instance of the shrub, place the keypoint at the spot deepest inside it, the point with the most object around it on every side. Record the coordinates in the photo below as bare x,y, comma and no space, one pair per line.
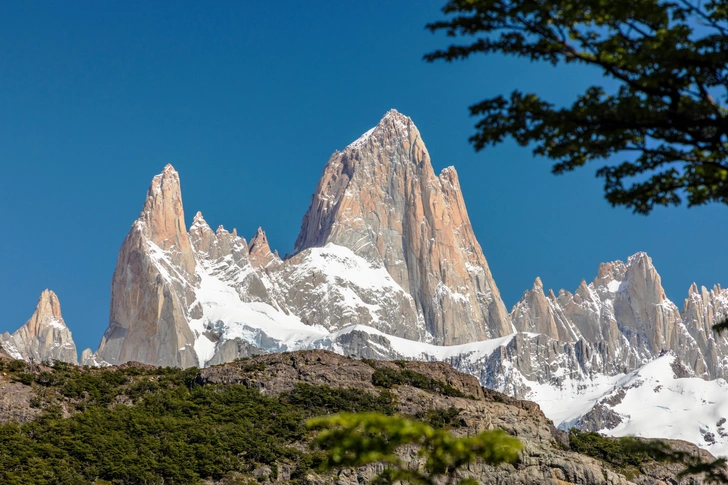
388,378
328,400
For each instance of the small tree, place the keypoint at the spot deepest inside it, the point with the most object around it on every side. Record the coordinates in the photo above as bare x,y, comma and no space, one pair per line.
669,59
352,440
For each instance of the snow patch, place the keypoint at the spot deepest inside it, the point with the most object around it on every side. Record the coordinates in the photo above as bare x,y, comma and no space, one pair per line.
359,142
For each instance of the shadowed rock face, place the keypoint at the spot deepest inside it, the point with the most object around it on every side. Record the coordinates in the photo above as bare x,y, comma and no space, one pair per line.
44,337
381,198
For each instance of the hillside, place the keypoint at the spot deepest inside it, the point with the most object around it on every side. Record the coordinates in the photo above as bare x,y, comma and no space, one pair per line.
243,422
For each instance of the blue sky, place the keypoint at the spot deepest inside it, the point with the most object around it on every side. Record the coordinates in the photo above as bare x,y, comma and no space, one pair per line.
248,100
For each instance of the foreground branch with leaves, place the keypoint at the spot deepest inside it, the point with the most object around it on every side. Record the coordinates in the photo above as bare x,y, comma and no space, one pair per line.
352,440
666,118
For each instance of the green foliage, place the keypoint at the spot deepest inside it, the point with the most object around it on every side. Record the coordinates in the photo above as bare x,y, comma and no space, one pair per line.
176,435
15,365
628,454
667,117
388,378
327,400
442,418
352,440
157,425
620,452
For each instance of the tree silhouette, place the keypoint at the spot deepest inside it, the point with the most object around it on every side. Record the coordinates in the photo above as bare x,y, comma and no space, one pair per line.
667,119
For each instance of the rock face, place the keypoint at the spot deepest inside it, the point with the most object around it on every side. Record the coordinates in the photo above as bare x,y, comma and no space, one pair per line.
44,337
381,198
151,287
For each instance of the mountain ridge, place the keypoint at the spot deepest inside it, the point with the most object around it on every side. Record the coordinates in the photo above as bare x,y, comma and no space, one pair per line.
387,266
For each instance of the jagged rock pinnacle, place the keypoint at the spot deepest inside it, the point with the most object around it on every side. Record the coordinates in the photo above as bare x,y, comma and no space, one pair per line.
152,285
45,336
163,218
259,250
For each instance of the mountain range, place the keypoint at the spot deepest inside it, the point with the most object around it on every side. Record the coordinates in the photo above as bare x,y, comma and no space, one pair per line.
387,266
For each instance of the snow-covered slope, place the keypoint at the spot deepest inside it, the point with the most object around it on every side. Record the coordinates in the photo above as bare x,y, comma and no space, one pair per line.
659,400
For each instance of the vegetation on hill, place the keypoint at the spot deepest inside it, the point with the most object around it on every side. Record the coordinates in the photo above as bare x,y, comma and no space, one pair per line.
146,425
353,440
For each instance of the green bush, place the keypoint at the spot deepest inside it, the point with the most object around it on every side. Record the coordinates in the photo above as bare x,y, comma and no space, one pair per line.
619,452
388,378
442,418
328,400
15,365
159,426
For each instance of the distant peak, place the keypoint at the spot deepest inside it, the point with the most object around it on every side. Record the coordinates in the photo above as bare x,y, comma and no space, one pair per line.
396,118
537,284
199,221
164,191
583,289
259,250
259,242
48,304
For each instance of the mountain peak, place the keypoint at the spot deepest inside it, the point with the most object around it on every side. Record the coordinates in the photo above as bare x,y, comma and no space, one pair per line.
394,116
380,198
163,219
49,305
393,126
537,284
45,336
639,257
259,249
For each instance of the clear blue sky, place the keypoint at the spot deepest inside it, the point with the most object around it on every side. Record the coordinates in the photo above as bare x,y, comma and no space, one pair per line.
248,100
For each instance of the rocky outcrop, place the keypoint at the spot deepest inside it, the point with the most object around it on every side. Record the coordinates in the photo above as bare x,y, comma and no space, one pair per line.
44,337
381,198
537,313
259,251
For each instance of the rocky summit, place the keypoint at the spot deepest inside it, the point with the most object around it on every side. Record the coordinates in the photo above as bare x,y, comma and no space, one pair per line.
387,266
44,337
